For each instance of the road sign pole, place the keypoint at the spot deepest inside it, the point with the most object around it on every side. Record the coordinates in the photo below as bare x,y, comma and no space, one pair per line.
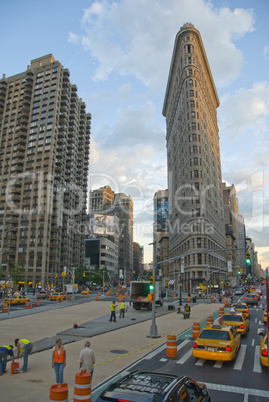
153,329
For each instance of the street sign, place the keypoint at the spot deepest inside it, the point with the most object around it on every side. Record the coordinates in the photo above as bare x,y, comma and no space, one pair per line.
73,276
207,278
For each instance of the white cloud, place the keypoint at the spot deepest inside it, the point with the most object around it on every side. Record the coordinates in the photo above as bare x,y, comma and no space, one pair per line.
136,37
73,38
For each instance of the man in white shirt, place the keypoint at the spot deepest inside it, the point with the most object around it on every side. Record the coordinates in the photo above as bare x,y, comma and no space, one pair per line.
87,358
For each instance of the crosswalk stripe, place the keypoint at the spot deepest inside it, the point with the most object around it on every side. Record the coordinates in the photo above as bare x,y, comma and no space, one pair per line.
218,364
257,365
200,362
185,357
240,358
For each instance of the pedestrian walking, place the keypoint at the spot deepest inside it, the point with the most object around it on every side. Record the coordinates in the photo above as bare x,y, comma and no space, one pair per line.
87,359
24,348
5,351
113,311
59,360
122,309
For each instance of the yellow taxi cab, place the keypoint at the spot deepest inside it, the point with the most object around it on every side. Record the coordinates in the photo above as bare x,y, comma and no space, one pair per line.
16,299
265,316
237,320
241,308
264,351
217,342
85,291
252,289
55,295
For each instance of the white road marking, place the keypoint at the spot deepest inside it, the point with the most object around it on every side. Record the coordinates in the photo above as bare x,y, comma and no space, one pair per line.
253,342
163,360
257,368
237,390
185,357
200,362
256,319
240,358
218,364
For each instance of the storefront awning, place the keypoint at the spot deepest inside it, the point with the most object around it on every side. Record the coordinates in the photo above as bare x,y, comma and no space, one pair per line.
171,282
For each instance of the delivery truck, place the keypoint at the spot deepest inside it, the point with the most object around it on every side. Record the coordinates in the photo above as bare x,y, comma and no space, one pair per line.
71,288
139,292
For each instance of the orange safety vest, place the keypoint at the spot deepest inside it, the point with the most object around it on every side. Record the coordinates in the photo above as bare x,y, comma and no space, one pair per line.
57,358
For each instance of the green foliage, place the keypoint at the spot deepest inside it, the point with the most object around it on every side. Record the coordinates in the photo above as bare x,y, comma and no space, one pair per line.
96,275
80,279
17,274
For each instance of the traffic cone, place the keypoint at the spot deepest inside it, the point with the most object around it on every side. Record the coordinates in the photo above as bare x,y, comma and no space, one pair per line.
31,307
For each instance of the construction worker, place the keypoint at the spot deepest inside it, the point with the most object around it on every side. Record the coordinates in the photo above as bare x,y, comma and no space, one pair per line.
113,311
59,361
122,309
24,348
4,352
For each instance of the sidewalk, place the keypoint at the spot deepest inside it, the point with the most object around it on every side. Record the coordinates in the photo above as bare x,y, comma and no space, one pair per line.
115,344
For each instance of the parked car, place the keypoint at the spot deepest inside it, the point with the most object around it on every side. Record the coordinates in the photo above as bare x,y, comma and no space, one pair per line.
146,386
16,299
217,342
239,292
265,316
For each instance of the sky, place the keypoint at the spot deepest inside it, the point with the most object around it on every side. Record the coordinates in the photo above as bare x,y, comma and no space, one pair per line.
119,54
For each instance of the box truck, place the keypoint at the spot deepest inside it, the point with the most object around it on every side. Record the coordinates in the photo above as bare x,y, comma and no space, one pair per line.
139,291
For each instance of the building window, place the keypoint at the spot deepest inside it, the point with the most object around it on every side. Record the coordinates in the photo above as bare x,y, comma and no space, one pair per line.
191,92
197,211
199,257
193,126
199,242
196,174
194,149
195,161
193,115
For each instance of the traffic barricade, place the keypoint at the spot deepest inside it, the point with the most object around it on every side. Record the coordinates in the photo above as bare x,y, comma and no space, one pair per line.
212,299
226,303
37,303
171,346
59,392
27,304
97,298
188,299
195,330
209,320
4,308
221,311
15,368
82,388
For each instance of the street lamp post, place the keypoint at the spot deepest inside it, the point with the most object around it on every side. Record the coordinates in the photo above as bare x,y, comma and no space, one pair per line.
153,329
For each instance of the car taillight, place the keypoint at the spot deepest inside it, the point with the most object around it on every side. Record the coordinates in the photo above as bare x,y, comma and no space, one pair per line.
241,326
228,348
195,345
255,298
265,352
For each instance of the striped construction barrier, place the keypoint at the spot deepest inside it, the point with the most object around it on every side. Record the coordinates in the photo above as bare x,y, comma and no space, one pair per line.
221,311
59,392
171,346
37,303
82,388
195,330
4,308
209,320
27,304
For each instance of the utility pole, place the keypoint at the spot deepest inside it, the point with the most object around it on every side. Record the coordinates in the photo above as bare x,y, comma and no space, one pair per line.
153,329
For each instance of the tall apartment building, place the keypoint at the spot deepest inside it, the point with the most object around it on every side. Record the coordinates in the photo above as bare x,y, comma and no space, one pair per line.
161,235
196,224
231,216
44,155
105,202
242,243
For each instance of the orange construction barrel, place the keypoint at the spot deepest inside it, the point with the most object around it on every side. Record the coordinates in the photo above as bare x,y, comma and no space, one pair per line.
37,303
59,392
226,303
97,298
221,311
15,368
209,320
4,309
212,299
27,304
188,299
82,388
171,346
195,330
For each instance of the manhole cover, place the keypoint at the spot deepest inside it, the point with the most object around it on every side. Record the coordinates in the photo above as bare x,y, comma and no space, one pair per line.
120,352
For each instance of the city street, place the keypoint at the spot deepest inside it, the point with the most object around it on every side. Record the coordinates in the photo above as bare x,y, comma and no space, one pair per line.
124,346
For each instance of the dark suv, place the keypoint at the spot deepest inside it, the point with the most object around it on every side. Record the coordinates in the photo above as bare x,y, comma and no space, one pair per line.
145,386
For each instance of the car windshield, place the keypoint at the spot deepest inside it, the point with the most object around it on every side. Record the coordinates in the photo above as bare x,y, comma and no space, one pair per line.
212,334
230,317
240,306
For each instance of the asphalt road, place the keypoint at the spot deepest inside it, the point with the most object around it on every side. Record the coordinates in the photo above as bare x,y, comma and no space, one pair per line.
241,380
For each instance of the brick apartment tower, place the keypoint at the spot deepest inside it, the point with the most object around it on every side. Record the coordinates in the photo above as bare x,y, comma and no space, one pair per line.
44,157
194,171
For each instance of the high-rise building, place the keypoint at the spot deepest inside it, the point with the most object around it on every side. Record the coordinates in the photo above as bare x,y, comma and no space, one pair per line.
100,200
196,224
44,157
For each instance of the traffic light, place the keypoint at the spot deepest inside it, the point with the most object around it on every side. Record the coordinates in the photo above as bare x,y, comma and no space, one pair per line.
239,271
248,260
56,275
151,284
84,274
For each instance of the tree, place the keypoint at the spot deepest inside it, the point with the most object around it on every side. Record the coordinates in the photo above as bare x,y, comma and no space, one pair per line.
80,279
96,275
17,274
